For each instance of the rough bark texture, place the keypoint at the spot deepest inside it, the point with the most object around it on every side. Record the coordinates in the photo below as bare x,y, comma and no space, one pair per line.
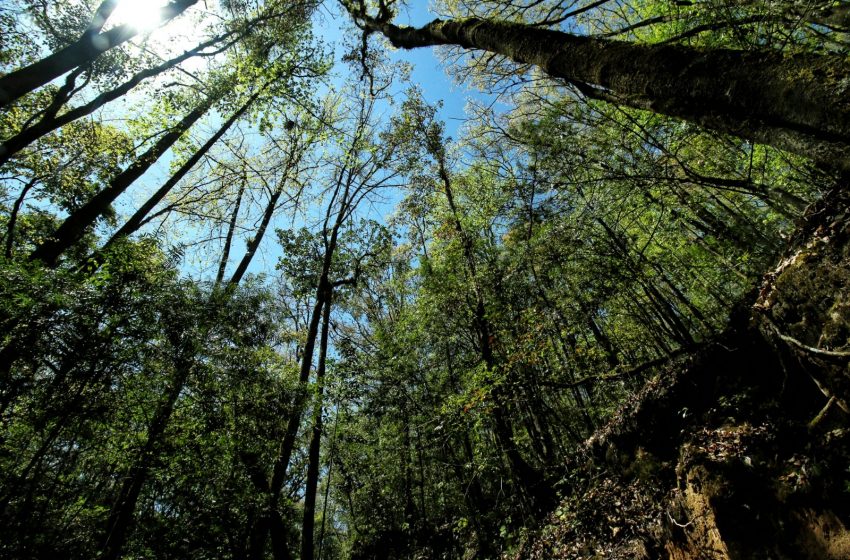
799,103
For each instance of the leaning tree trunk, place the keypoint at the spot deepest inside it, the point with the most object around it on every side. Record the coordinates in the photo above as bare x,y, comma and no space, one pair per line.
75,226
255,241
228,239
88,47
52,121
137,219
799,103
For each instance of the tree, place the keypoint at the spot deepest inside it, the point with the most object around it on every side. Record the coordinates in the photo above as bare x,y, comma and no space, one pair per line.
545,320
762,96
84,50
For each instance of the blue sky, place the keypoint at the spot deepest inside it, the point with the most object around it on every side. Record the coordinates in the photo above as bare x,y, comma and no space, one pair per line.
332,23
428,73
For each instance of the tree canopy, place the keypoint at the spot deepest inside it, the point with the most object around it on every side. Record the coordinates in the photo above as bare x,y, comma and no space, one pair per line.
258,299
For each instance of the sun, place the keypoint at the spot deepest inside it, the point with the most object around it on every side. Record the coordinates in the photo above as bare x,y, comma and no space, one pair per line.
144,15
167,38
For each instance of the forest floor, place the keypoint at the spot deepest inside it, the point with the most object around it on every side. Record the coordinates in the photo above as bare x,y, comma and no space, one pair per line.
738,450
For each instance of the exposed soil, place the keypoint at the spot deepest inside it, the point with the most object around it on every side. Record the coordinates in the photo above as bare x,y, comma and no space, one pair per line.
741,449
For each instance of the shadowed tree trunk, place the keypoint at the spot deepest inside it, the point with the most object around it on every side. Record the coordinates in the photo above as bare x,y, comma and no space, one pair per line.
309,522
75,226
231,228
51,121
88,47
799,103
120,521
137,219
13,216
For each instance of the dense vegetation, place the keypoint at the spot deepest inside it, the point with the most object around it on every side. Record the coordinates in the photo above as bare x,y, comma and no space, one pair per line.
257,302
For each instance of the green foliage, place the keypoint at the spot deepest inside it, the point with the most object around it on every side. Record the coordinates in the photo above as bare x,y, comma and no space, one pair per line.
495,298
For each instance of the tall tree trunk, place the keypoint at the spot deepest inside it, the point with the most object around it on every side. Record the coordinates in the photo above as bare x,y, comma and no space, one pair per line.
792,102
324,291
523,473
137,219
50,122
75,225
88,47
328,487
255,241
120,520
231,227
309,522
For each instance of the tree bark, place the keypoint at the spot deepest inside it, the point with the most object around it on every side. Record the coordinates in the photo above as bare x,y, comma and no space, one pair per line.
120,520
16,84
792,102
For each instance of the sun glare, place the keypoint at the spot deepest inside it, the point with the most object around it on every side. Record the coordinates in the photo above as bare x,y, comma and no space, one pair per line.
144,15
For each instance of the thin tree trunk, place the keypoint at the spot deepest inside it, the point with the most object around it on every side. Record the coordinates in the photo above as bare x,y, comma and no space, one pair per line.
13,217
137,219
120,520
405,456
323,293
309,521
523,473
328,487
255,241
75,225
228,241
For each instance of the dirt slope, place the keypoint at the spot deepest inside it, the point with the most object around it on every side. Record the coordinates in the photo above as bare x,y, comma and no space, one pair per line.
740,450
